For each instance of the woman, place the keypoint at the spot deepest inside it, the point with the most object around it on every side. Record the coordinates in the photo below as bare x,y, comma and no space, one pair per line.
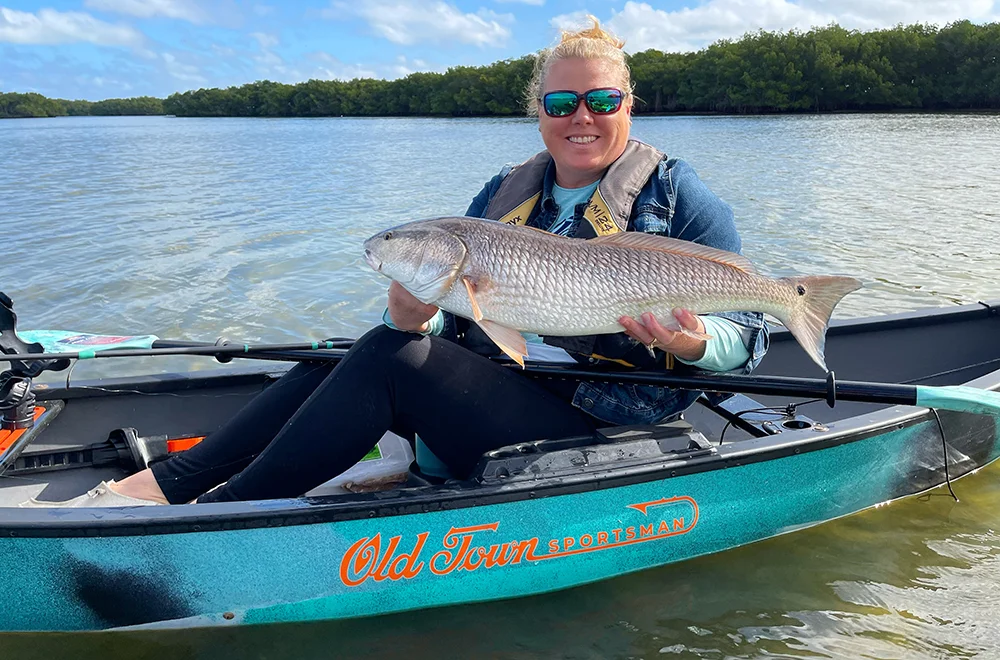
422,374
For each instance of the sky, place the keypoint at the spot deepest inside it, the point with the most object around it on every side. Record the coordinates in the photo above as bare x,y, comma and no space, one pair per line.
97,49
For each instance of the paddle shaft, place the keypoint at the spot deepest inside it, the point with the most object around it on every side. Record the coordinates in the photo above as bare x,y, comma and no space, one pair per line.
178,348
827,389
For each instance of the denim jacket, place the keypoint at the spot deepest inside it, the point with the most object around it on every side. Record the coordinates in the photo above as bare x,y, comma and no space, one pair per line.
675,203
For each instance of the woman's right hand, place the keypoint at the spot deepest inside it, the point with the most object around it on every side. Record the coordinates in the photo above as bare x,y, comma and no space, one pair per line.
408,313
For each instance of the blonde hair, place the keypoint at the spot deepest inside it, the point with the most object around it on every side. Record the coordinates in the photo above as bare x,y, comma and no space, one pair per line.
592,43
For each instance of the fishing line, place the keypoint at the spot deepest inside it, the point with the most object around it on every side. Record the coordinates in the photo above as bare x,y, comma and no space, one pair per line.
787,411
944,450
950,371
69,372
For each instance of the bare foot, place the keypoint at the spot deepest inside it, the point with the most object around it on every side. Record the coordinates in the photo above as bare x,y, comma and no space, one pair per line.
141,485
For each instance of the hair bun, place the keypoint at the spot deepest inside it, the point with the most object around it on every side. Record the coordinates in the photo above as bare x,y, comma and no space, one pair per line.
595,31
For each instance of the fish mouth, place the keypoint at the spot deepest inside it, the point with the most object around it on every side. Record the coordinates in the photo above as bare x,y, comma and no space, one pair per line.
375,264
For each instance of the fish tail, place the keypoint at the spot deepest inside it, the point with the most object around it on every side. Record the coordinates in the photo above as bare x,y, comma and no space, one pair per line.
815,298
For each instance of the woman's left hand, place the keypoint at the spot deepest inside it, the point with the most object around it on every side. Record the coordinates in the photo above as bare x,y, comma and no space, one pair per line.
650,332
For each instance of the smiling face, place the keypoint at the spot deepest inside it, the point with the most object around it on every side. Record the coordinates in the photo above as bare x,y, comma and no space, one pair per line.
583,144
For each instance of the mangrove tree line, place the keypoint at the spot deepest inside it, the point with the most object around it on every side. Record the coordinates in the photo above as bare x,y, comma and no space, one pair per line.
824,69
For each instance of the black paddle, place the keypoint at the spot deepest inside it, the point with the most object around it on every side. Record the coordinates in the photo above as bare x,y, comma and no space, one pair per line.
958,398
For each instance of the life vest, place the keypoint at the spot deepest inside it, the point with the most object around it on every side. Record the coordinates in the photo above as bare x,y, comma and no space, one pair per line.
607,212
609,208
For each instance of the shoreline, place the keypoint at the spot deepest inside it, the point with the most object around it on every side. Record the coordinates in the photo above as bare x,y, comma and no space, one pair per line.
638,115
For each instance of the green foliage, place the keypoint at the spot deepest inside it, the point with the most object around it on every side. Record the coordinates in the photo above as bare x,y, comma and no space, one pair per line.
29,105
825,69
828,69
140,105
35,105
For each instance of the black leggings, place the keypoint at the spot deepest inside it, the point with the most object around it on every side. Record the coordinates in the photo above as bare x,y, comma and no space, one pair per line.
318,420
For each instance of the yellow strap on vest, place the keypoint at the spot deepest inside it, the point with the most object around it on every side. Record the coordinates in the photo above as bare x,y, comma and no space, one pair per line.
597,213
519,216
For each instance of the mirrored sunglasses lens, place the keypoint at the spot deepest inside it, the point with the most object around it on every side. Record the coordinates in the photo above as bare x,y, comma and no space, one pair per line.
604,101
560,105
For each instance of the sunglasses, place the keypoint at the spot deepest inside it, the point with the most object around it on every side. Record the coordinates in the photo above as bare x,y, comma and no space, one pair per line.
602,101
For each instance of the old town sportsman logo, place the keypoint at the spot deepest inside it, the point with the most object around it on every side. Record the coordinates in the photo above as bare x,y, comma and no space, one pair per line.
472,548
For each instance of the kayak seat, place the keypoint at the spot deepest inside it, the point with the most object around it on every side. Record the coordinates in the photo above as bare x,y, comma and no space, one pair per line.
428,466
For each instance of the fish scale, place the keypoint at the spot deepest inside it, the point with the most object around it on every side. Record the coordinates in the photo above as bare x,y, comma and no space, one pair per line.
566,287
531,281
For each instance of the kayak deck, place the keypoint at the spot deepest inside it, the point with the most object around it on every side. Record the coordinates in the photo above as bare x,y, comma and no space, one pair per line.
940,347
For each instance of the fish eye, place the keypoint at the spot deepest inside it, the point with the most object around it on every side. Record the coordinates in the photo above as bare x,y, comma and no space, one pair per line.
388,235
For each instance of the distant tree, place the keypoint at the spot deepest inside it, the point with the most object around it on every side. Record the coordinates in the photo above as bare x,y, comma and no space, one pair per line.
825,69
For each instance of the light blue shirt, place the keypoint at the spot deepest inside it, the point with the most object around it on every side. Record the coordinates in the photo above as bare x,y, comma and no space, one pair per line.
567,199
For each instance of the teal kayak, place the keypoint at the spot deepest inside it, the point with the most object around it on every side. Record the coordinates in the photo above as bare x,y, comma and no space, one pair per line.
533,518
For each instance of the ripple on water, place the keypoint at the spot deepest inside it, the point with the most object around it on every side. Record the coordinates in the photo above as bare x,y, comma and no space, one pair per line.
250,229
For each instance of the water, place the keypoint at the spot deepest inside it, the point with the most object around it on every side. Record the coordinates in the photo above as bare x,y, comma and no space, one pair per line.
250,229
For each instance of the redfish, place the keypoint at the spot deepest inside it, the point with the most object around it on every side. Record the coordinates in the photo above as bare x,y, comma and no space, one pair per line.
511,279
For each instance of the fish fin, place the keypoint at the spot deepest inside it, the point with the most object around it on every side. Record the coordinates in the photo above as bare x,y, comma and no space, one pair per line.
643,241
674,326
808,320
431,290
477,314
509,340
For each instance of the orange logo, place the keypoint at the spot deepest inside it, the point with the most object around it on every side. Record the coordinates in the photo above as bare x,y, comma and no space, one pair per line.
466,549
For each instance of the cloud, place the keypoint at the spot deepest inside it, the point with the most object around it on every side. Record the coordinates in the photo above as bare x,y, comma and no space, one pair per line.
572,21
866,15
222,51
537,3
427,21
331,68
687,29
270,65
46,71
693,28
265,40
102,82
184,72
185,10
404,67
55,27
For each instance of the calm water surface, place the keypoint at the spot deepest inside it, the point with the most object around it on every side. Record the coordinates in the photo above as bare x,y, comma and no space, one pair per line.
251,229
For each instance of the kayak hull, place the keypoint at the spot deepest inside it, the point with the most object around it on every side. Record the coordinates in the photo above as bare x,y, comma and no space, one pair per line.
381,564
570,515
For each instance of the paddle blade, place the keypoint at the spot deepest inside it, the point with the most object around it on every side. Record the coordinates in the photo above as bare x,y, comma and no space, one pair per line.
959,398
58,341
